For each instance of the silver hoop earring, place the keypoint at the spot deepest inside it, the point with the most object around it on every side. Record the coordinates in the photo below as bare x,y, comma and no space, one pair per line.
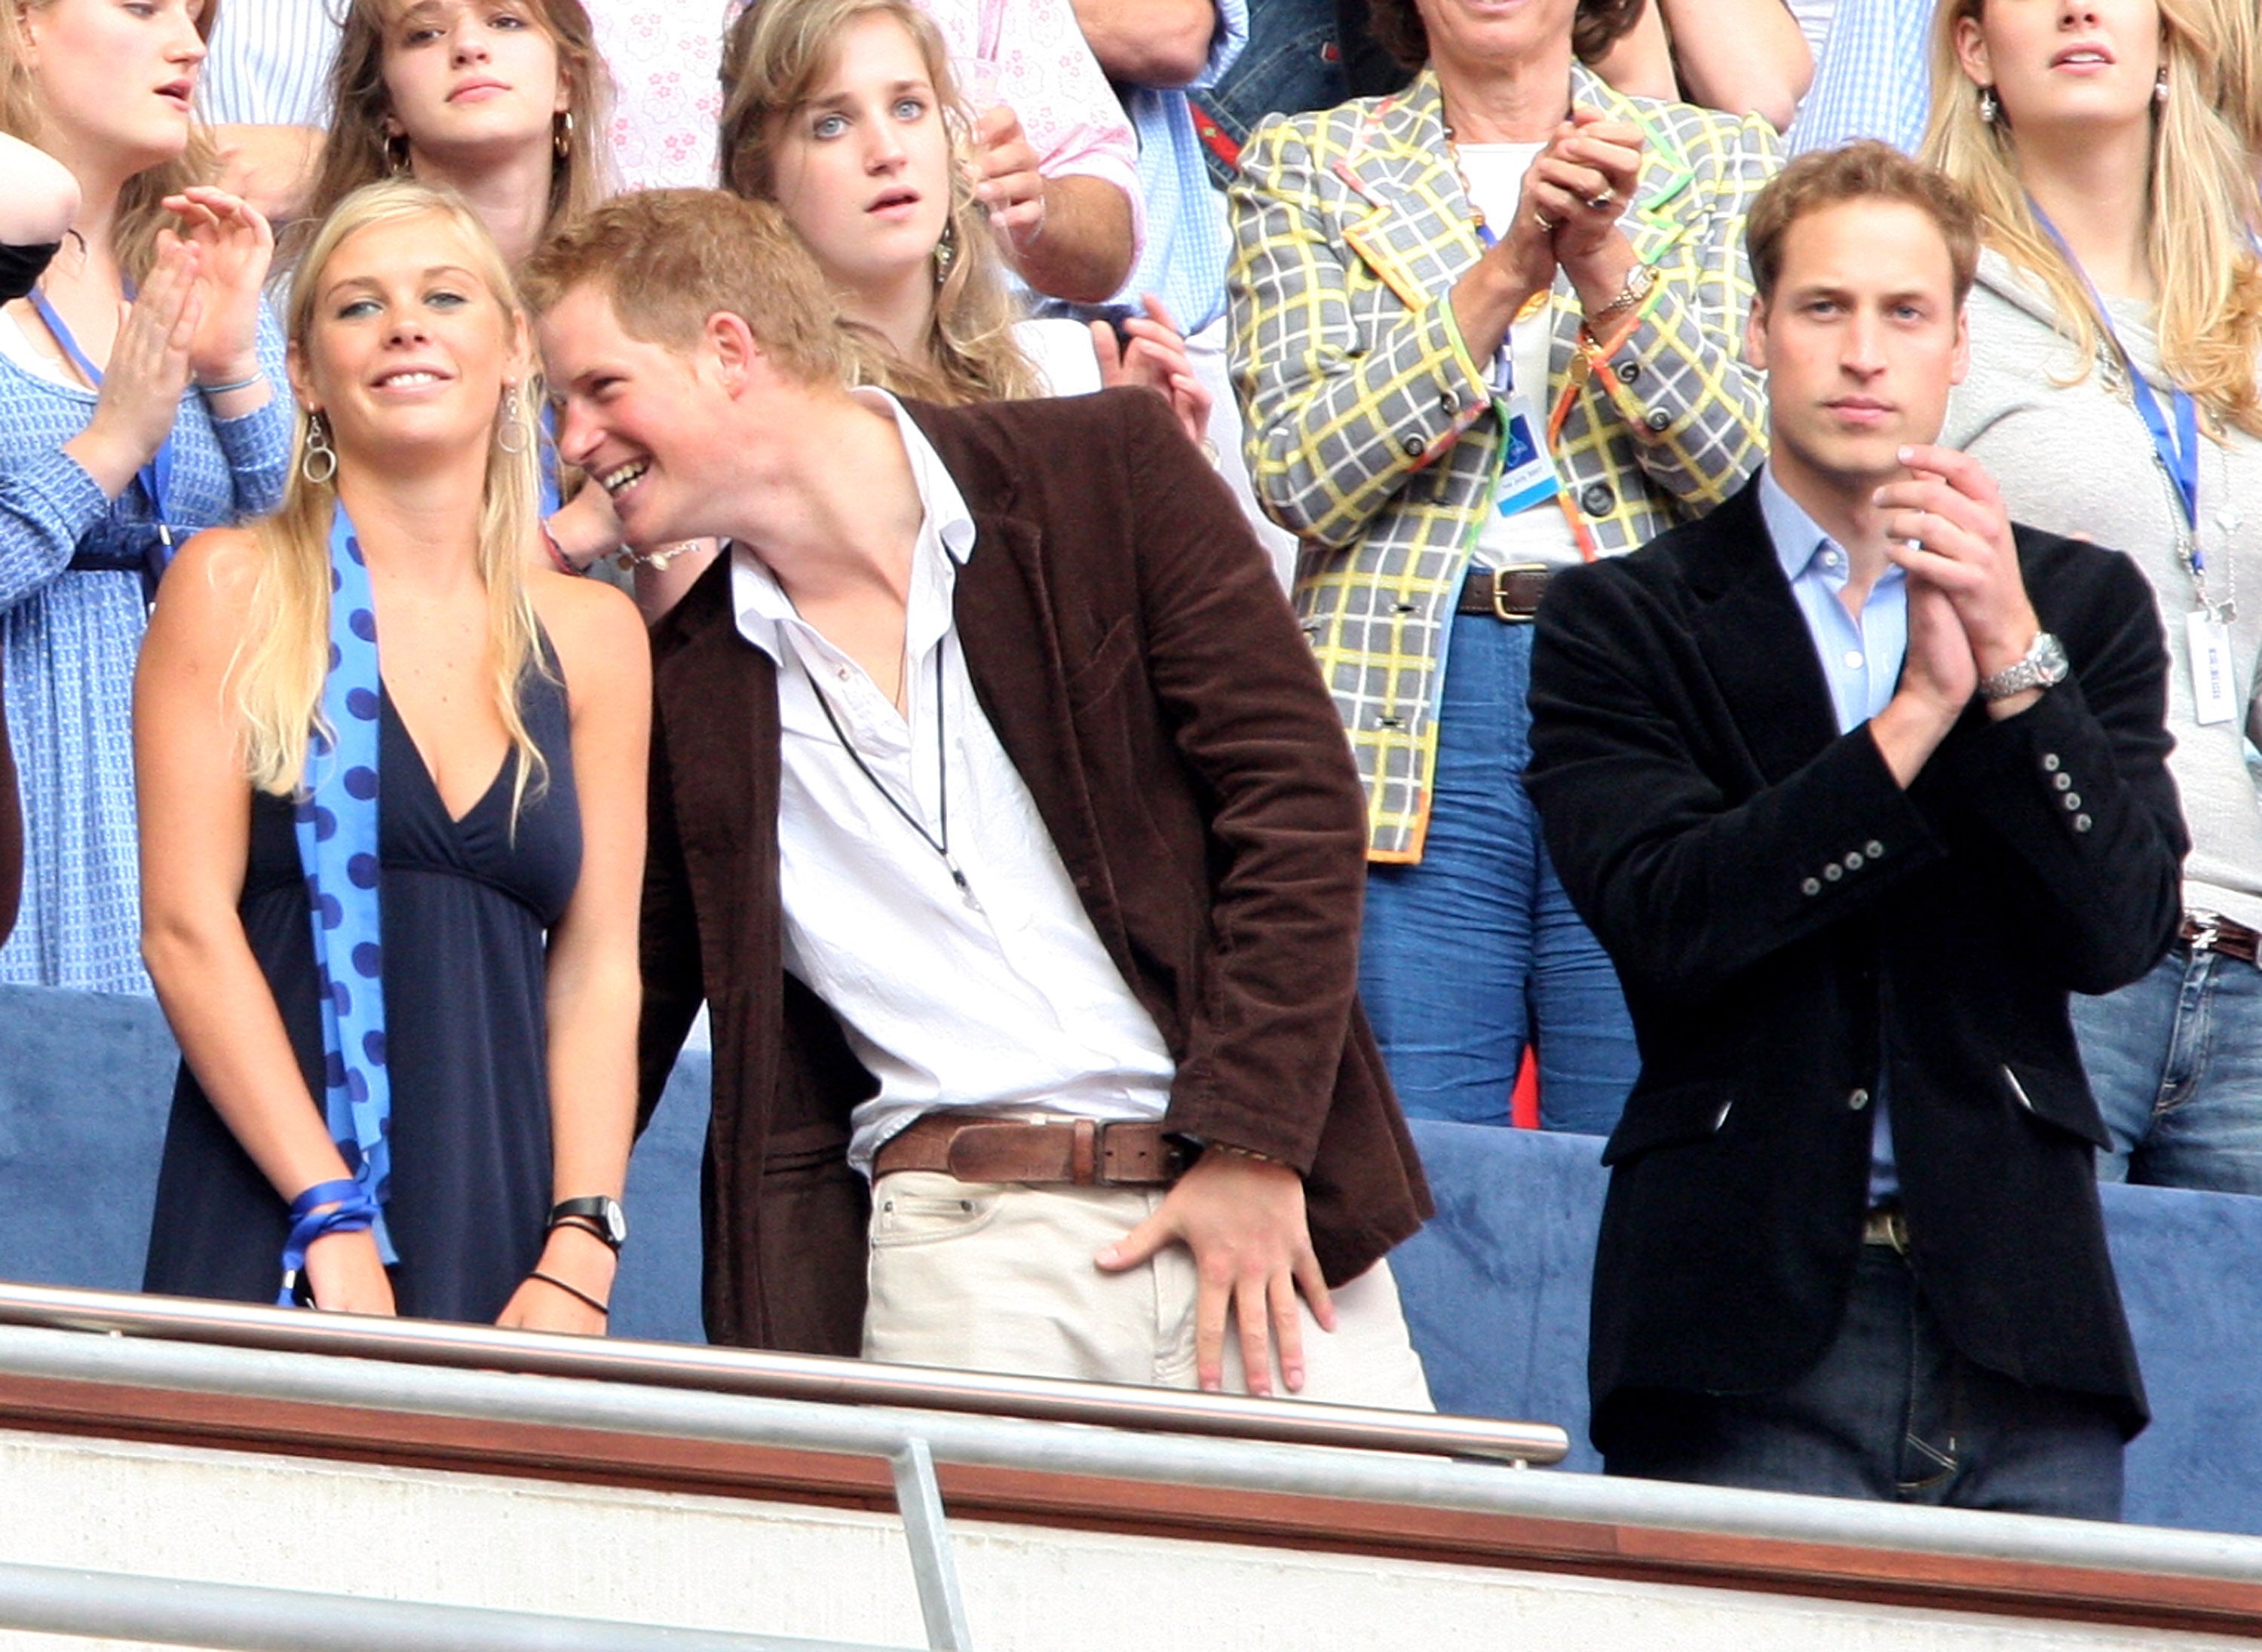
511,425
318,460
1991,108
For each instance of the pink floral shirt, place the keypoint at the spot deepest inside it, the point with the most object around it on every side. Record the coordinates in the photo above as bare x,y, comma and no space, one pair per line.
664,55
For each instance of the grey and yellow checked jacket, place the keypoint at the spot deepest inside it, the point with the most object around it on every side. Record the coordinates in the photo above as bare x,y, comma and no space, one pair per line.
1372,431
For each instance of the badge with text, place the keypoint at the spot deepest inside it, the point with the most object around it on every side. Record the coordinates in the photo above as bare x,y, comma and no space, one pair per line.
2214,697
1527,475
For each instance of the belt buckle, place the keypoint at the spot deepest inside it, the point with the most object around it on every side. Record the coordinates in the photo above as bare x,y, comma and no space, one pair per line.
2206,929
1499,610
1886,1225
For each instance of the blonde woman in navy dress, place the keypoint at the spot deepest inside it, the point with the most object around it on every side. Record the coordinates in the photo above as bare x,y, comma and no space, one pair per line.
392,912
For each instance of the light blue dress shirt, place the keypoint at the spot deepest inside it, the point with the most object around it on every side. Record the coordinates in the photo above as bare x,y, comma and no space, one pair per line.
1183,260
1861,664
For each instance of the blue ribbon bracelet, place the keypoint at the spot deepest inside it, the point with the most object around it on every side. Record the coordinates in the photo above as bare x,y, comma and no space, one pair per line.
352,1210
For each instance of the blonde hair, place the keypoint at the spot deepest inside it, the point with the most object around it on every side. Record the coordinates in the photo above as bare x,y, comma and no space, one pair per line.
2209,319
283,661
2240,30
141,211
775,57
358,149
682,255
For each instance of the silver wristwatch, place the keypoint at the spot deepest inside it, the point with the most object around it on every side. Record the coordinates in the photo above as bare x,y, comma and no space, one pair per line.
2045,664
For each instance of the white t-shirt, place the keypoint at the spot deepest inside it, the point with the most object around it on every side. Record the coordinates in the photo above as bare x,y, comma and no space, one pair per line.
1494,173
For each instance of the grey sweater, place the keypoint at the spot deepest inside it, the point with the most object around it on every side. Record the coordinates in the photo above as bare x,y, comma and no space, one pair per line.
2076,459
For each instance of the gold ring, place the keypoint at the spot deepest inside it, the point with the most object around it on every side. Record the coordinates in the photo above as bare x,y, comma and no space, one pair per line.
1546,224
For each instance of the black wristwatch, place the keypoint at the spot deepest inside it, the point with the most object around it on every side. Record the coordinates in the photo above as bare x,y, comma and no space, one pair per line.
598,1213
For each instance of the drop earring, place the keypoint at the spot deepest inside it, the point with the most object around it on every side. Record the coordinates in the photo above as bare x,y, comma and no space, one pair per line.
1991,108
318,460
561,135
510,431
945,253
2160,86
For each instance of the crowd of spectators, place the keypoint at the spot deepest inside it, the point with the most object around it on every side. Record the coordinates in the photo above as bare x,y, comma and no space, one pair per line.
1501,339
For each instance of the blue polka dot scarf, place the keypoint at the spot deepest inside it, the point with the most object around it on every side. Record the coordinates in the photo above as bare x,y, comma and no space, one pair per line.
338,847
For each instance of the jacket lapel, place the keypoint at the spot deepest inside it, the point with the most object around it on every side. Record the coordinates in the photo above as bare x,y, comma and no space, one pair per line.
1756,640
1421,236
717,694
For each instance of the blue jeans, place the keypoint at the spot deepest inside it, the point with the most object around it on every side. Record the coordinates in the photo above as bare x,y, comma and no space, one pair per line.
1891,1414
1474,950
2175,1061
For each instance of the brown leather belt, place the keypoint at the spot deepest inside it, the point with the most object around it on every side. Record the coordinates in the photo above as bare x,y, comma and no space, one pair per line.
1080,1152
2209,932
1510,594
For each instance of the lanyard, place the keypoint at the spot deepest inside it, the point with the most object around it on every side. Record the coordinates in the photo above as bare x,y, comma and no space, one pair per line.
157,475
939,844
2178,451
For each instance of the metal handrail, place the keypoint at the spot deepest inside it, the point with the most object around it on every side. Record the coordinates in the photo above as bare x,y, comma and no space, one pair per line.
1226,1464
780,1375
244,1618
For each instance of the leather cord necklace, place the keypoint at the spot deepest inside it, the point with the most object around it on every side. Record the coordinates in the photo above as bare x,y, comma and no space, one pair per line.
941,844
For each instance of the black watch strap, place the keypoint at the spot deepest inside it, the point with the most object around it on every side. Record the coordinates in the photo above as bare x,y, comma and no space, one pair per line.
599,1213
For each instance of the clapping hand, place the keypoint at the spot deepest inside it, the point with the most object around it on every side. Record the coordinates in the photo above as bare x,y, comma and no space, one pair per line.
1949,530
1006,181
1156,358
1582,181
148,371
234,247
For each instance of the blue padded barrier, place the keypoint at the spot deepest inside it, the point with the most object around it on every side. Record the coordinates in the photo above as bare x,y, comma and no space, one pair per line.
1497,1291
86,1080
1495,1288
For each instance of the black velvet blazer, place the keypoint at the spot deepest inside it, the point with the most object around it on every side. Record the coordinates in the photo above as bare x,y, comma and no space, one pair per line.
1788,922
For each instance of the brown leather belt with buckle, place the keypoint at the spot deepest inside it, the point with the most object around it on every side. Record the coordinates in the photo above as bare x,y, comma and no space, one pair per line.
1080,1152
1510,594
2210,932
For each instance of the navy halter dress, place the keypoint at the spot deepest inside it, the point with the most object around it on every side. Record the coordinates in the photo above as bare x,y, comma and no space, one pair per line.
467,905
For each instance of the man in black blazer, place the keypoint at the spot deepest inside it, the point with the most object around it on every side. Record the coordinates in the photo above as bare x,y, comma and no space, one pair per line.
1856,781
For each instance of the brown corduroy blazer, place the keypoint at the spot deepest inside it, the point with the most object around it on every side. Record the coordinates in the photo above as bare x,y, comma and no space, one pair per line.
1128,642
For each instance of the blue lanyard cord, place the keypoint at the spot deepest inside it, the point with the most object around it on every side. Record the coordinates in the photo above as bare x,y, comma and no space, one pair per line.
2177,449
157,475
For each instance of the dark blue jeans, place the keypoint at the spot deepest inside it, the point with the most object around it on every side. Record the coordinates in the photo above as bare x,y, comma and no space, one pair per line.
1891,1414
1475,949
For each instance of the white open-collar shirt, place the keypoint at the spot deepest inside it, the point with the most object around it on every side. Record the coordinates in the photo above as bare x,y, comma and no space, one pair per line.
1000,998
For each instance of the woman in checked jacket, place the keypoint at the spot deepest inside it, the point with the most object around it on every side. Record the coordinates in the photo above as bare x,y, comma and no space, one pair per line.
1483,328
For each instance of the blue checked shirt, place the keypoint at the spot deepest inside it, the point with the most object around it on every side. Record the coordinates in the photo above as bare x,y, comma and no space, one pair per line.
1183,262
1872,78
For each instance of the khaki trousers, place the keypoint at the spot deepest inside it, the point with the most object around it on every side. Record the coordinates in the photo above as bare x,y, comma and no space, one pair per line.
987,1276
